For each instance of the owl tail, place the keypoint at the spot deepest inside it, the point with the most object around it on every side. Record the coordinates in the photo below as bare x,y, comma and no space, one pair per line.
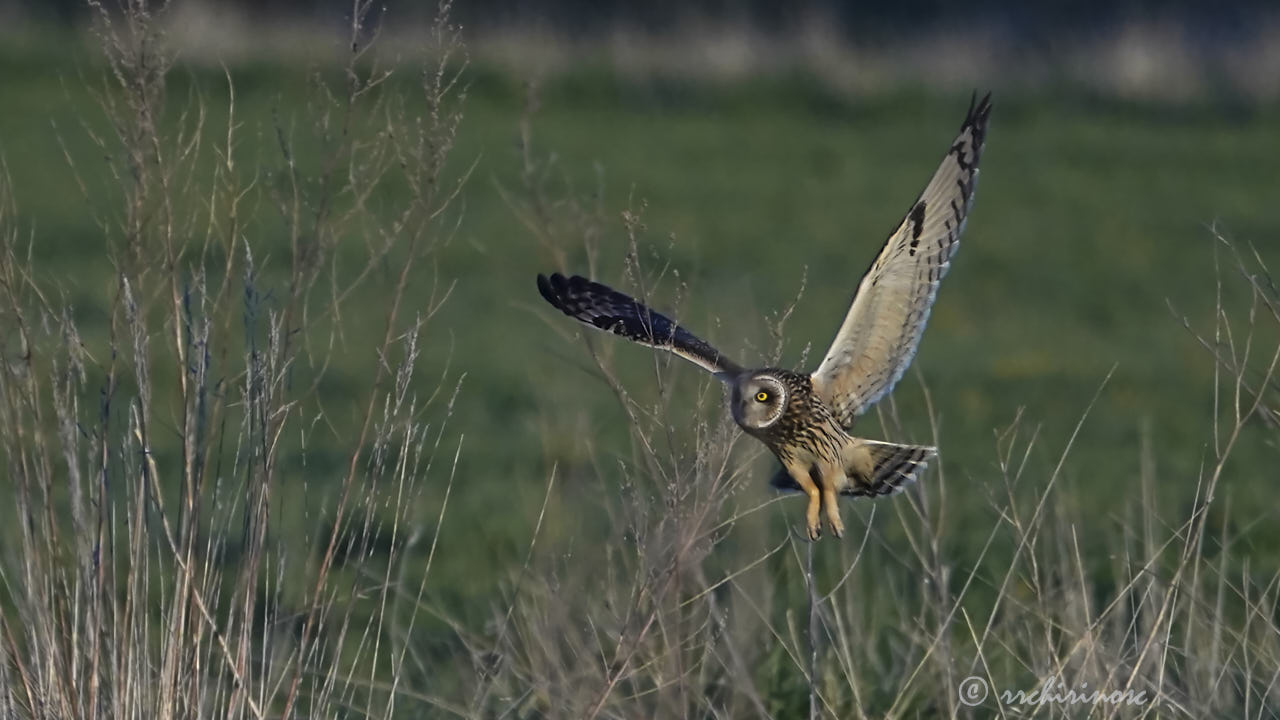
880,468
874,468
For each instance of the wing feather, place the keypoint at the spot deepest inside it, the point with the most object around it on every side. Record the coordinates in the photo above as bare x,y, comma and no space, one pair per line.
882,329
604,308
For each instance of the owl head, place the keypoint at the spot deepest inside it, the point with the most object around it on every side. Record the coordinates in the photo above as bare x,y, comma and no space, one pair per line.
758,400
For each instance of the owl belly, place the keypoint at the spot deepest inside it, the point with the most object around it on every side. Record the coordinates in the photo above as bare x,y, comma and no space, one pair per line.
812,457
810,444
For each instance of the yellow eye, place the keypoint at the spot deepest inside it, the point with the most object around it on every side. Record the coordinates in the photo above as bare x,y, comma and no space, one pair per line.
762,396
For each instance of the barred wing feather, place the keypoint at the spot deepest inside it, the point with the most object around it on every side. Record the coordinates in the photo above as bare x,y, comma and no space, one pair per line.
604,308
882,329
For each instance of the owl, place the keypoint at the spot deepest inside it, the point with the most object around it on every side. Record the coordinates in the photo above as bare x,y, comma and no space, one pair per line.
807,419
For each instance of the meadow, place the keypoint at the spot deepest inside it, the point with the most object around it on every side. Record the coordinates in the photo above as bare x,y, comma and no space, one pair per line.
565,526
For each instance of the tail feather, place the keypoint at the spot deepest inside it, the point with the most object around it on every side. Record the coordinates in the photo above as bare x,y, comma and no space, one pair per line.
881,468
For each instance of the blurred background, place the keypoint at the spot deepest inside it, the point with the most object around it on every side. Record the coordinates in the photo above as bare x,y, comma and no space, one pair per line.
772,147
767,150
1177,49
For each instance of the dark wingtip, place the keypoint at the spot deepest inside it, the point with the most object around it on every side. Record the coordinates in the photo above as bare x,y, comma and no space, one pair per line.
979,110
977,117
544,288
551,288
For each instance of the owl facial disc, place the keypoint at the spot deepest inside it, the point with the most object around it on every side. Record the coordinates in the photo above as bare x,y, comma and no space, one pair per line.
758,401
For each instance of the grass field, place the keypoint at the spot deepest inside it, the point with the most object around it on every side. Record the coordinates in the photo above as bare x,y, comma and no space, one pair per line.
1093,217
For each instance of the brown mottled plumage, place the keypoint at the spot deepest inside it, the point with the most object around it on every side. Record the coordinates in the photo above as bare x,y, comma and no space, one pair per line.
806,420
806,427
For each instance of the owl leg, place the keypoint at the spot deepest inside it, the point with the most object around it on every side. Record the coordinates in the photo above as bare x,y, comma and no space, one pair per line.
830,501
801,472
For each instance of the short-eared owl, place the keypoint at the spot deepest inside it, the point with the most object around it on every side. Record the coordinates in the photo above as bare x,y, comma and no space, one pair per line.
806,419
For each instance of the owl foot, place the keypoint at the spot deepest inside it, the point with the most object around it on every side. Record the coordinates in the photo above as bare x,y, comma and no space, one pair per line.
811,518
833,513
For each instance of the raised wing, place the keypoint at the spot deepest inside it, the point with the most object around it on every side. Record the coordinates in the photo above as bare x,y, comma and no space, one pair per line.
602,307
880,334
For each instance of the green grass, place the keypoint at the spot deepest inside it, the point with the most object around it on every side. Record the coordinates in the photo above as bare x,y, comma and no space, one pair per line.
1091,216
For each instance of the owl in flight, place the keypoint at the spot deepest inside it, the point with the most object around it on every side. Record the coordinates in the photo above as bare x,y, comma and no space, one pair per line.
806,419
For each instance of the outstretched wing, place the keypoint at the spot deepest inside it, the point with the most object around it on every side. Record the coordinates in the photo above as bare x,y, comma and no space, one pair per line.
880,334
602,307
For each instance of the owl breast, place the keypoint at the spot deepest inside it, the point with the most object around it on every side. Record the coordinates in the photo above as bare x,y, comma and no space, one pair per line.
807,430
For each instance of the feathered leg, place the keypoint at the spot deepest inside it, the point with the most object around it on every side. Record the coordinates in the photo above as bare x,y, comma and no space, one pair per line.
802,474
832,480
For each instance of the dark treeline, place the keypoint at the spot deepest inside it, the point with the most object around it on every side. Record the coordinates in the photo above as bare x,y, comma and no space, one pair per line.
1033,21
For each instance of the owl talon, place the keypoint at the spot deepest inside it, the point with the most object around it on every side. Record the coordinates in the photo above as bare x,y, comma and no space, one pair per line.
837,528
811,517
833,513
815,532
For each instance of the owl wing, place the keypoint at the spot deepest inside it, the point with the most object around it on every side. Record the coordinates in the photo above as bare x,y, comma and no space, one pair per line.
602,307
880,333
